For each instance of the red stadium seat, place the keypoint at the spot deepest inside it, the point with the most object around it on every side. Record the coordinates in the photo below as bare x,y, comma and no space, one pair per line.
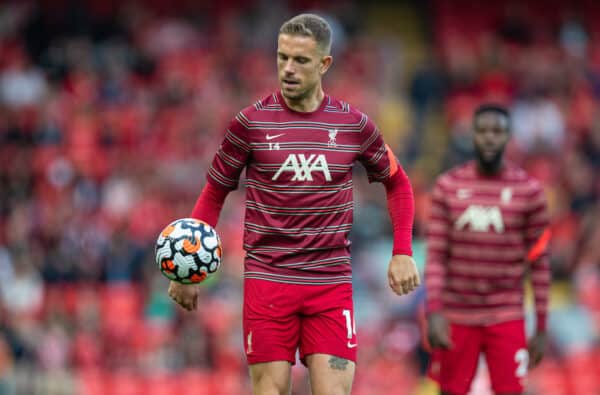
582,378
125,383
91,382
162,384
197,382
121,307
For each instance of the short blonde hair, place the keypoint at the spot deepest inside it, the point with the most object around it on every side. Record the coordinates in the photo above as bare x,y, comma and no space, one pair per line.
310,25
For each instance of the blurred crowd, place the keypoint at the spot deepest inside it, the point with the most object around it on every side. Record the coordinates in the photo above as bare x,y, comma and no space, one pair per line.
110,113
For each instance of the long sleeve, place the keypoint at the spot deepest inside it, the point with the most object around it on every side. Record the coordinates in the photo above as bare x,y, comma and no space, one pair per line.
209,204
401,207
231,157
382,165
537,238
437,250
375,155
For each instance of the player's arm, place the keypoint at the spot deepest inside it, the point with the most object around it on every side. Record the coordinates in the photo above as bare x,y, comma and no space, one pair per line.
382,166
435,269
209,204
402,274
222,177
537,238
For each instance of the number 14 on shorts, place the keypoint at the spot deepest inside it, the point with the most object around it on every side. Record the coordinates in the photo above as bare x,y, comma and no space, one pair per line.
350,326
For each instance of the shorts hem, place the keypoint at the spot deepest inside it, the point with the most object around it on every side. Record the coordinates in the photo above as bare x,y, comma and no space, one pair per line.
264,359
348,356
507,390
452,392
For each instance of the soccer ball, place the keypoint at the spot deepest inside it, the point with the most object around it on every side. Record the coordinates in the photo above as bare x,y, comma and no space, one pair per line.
188,251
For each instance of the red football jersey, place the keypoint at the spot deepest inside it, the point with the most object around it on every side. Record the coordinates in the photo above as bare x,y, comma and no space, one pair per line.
299,199
483,234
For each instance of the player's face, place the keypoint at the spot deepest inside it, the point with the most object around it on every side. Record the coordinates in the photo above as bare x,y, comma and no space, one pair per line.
490,137
300,65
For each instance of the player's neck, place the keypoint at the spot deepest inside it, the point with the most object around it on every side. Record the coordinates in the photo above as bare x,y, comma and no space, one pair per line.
306,104
490,169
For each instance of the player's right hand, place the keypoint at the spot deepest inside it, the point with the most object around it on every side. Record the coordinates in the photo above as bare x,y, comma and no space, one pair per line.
403,275
438,331
185,295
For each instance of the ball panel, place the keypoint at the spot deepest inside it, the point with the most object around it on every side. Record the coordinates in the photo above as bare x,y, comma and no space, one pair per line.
191,246
210,242
198,277
180,232
205,256
167,230
164,252
185,264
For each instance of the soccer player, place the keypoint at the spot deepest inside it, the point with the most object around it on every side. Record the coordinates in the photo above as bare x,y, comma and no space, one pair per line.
298,146
488,228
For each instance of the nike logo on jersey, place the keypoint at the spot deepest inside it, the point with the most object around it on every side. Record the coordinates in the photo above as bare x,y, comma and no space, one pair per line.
274,136
351,345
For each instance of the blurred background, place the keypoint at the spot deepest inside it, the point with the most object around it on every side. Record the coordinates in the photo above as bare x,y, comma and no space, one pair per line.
110,112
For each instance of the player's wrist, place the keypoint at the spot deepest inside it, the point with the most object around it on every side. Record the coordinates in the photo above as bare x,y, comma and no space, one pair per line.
434,314
540,325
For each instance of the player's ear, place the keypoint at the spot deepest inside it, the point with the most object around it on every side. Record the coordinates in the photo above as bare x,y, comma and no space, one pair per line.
326,62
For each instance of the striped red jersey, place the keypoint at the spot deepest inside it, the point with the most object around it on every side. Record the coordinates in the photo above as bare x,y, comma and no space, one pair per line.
484,234
299,199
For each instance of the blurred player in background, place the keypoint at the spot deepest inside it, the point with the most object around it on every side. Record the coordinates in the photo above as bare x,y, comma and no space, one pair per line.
488,228
298,146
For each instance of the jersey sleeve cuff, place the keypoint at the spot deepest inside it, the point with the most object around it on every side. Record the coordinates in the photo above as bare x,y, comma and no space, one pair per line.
402,251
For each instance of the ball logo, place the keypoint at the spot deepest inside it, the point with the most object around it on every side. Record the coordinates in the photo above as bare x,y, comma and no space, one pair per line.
481,218
303,167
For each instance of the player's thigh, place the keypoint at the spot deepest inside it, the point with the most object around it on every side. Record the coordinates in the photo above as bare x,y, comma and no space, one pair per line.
327,324
507,356
454,369
271,378
330,375
271,322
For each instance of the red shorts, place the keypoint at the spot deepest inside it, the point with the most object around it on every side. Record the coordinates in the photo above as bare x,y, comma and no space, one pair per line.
505,349
281,318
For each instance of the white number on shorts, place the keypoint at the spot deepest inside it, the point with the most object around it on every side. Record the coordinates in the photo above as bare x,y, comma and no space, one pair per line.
522,359
350,323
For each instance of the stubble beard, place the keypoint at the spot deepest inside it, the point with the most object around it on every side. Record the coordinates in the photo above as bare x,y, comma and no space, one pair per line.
299,95
489,166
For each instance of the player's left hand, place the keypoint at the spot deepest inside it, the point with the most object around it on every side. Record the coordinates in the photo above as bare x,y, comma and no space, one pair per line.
536,346
185,295
403,275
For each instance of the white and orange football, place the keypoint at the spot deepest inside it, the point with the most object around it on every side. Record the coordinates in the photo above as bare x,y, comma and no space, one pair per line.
188,251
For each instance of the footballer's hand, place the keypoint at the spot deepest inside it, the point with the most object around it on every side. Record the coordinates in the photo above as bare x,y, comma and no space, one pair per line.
403,275
185,295
438,332
536,346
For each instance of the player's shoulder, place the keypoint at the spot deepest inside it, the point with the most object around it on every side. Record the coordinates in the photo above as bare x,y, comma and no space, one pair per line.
516,174
261,110
465,171
335,105
344,111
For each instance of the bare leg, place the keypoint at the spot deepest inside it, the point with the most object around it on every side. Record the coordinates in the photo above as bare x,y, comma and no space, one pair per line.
271,378
330,375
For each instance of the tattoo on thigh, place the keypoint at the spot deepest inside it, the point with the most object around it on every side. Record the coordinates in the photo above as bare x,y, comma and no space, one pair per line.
338,363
